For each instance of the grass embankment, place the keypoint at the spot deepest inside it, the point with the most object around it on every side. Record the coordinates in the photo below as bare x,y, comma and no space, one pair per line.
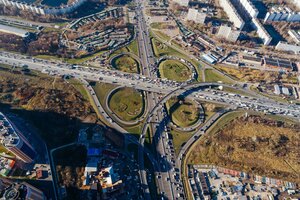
126,63
179,138
212,76
175,70
71,60
127,104
237,141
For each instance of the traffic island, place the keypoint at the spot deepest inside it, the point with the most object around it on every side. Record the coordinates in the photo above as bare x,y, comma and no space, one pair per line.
126,105
125,63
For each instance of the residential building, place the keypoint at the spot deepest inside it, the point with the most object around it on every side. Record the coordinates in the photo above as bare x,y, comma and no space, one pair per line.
13,140
261,31
43,10
284,46
232,13
196,16
22,190
295,35
229,34
280,13
250,8
182,2
277,89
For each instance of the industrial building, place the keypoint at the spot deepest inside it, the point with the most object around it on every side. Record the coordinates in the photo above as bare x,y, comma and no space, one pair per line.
229,34
280,13
196,16
283,65
22,190
295,35
13,140
15,31
232,13
43,10
261,31
284,46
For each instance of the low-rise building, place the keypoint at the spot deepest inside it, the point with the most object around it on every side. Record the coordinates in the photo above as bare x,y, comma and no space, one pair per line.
196,16
229,34
282,65
284,46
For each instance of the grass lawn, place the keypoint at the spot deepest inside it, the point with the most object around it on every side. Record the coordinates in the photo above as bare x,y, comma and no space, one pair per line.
183,113
126,63
133,47
102,90
211,76
174,70
179,139
127,104
69,60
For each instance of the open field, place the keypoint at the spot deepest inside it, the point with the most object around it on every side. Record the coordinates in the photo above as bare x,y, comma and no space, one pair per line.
174,70
53,106
127,104
183,113
126,63
211,76
240,140
254,75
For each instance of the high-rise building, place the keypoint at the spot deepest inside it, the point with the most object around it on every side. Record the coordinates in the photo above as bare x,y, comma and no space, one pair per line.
280,13
261,31
232,13
196,16
22,190
13,140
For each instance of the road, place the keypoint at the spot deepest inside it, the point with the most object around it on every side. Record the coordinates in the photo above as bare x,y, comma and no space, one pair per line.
149,84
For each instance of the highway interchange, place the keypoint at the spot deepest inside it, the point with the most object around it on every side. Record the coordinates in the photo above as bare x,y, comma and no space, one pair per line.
166,166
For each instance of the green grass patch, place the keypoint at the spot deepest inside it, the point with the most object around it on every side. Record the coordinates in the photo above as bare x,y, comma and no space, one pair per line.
212,76
175,70
179,138
133,47
102,90
184,113
127,104
126,63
